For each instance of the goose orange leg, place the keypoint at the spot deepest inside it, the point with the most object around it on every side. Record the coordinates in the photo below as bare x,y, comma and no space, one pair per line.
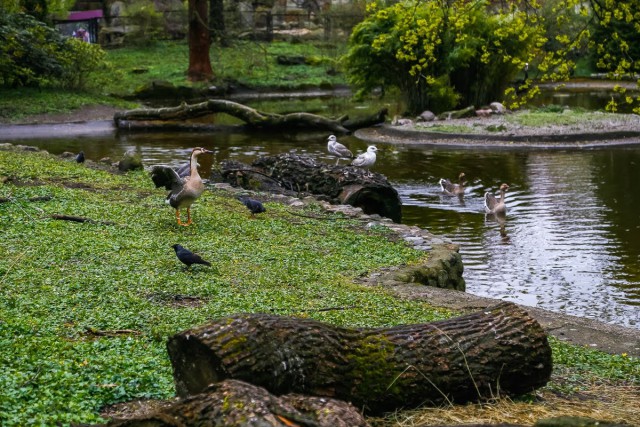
178,217
188,217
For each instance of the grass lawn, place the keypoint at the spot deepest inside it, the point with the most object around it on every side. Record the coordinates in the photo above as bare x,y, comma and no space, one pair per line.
86,308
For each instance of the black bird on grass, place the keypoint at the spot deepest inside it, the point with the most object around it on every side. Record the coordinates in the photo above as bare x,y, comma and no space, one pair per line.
80,157
254,206
187,257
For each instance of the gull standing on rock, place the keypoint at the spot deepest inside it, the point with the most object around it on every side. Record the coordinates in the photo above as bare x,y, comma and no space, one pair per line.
366,159
337,149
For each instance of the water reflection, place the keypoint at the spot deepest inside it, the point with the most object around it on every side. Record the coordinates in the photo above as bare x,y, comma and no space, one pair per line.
561,245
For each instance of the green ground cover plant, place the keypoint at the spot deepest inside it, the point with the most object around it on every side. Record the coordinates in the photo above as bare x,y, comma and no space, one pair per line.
86,308
62,282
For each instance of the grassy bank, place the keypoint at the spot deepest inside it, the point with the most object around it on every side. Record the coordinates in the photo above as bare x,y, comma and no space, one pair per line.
252,64
86,308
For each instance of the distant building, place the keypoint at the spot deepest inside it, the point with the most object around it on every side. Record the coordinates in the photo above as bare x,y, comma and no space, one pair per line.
83,24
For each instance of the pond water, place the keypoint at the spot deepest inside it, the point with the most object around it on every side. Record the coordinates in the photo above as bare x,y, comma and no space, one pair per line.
570,241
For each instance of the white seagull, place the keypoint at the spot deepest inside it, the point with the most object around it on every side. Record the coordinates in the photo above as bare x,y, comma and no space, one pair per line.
337,149
366,159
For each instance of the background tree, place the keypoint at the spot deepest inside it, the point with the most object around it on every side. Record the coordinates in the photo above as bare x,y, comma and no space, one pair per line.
199,42
614,42
217,22
441,54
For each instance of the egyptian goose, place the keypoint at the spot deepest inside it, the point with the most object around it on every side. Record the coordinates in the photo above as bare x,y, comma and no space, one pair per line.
493,205
183,191
452,189
366,159
337,149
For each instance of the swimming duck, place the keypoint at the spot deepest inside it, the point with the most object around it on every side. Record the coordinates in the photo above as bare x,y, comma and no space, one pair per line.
493,205
452,189
183,191
366,159
337,149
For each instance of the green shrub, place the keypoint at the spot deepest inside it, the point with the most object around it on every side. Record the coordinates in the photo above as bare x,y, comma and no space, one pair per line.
437,55
34,54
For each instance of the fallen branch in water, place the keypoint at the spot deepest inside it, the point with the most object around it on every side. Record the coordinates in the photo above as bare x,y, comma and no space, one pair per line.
144,118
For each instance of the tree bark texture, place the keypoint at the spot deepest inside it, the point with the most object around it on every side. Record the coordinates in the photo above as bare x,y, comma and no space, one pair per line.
255,119
199,42
234,403
500,350
303,174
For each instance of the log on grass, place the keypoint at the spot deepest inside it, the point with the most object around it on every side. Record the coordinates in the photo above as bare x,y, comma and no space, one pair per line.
234,403
499,350
159,117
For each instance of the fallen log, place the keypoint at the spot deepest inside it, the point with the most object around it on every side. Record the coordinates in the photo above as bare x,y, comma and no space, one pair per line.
148,118
500,350
238,404
291,173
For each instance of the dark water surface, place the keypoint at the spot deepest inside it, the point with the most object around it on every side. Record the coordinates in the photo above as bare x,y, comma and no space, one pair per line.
570,242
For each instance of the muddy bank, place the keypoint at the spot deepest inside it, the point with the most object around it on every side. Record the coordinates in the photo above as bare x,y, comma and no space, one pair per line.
585,135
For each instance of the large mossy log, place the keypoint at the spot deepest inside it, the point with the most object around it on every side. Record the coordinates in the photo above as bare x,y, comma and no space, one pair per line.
346,185
238,404
168,117
500,350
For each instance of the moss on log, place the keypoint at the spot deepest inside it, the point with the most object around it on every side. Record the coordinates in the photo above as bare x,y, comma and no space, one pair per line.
500,350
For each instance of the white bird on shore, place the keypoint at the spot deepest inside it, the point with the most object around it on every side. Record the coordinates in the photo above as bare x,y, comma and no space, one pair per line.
337,149
366,159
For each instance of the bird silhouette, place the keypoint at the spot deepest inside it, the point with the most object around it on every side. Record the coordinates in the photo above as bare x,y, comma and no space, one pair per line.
183,190
366,159
254,206
337,149
80,157
187,257
496,206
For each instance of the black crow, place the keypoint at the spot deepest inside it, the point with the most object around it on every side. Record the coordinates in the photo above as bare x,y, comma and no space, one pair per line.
187,257
80,157
254,206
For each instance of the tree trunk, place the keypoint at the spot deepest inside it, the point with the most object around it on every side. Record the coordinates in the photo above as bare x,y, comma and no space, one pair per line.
255,119
199,42
217,22
293,174
238,404
500,350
